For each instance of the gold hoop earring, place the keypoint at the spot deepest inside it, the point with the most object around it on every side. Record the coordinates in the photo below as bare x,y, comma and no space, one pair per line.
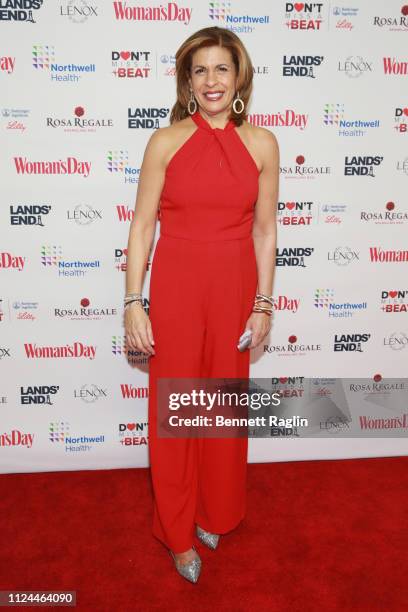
239,100
192,100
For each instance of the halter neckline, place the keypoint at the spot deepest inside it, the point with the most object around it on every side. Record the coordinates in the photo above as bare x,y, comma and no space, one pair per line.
203,123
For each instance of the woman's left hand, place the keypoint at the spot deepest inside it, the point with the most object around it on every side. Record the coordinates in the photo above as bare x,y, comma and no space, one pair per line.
260,323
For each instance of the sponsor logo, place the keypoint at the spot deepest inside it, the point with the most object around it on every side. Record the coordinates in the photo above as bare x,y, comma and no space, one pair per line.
292,348
131,64
378,255
301,65
124,11
293,256
77,350
8,261
324,300
350,342
16,10
361,165
31,214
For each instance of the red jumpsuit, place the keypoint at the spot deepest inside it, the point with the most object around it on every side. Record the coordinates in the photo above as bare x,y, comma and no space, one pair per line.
202,288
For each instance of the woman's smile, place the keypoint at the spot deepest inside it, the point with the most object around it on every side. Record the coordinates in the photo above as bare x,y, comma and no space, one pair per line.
213,96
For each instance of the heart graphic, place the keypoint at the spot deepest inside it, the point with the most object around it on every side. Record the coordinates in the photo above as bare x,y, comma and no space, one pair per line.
290,205
125,55
299,6
131,426
393,294
283,379
406,111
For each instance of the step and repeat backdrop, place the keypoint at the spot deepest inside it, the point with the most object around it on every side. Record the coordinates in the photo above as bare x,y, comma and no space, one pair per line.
83,86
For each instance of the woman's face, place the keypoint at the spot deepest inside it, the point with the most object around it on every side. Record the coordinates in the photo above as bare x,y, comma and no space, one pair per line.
213,79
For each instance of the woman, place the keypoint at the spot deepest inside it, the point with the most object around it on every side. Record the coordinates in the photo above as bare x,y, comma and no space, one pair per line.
216,179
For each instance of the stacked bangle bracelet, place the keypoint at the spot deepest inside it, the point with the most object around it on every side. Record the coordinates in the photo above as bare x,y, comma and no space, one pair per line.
133,297
260,297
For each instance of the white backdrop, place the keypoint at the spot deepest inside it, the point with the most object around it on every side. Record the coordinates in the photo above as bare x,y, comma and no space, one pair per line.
83,85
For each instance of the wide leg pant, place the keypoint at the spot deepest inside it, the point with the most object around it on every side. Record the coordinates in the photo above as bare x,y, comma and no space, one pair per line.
201,295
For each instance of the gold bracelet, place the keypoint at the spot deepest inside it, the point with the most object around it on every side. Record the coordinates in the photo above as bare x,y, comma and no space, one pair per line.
137,300
261,297
264,309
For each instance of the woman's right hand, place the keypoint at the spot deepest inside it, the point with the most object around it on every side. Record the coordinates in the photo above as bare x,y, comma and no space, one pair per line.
138,328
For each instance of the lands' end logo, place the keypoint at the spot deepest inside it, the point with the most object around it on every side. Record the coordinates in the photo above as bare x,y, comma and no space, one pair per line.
293,256
350,342
19,11
22,214
361,165
301,65
146,118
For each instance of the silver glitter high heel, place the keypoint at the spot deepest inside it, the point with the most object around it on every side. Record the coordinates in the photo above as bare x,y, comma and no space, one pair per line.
191,570
209,539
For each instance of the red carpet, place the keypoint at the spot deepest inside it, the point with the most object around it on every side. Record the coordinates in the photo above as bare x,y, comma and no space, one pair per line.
319,535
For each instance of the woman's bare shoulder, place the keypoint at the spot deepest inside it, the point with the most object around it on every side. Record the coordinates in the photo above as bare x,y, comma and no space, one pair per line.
264,137
261,142
164,141
172,132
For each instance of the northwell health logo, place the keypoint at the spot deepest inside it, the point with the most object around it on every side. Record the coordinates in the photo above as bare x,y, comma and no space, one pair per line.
44,59
324,300
224,15
51,256
333,115
59,432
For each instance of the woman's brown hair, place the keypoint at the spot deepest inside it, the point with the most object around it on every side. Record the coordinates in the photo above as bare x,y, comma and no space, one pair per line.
208,37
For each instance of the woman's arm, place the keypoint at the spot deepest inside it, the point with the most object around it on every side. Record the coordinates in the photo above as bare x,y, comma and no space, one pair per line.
264,230
143,225
139,333
264,227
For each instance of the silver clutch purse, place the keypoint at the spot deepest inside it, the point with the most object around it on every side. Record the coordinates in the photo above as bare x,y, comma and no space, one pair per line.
245,340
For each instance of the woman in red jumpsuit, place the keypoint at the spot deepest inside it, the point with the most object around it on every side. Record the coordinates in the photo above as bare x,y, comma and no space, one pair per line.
211,279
